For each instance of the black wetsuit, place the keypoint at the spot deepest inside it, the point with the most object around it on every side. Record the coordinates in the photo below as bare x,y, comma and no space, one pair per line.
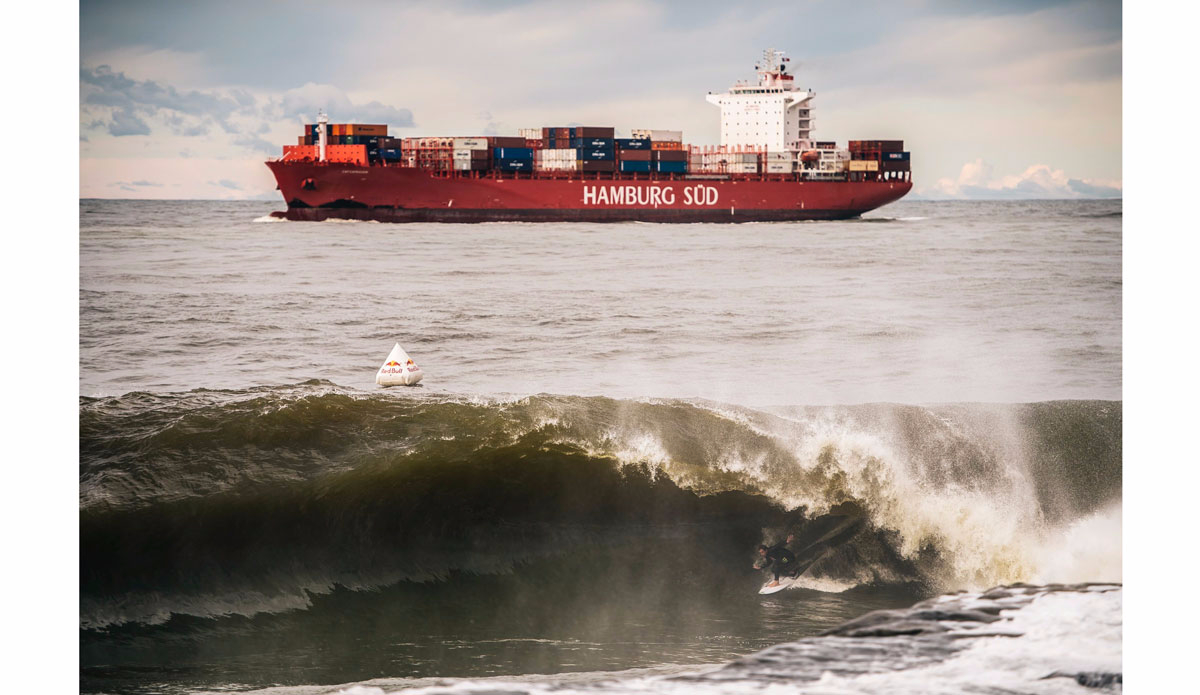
781,560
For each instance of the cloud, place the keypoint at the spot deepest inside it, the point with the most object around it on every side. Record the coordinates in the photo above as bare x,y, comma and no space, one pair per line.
977,181
132,100
254,142
302,103
125,122
226,183
124,184
114,102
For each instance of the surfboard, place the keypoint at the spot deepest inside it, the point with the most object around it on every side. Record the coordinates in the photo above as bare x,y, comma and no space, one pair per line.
783,584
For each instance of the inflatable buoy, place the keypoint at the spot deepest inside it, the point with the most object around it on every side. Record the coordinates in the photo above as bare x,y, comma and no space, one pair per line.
398,370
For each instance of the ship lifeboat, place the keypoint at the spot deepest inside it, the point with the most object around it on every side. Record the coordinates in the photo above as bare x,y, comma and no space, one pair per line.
810,156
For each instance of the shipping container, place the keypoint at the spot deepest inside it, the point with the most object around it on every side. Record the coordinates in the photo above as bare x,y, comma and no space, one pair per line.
471,165
555,165
496,141
349,154
390,154
530,133
514,164
299,152
592,143
896,156
470,143
864,165
671,156
597,155
469,154
513,153
634,155
892,165
593,165
777,157
365,129
665,145
671,167
593,132
636,167
633,143
564,155
663,135
876,145
779,167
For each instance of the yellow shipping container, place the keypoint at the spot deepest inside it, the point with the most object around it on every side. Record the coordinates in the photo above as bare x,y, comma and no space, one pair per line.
864,165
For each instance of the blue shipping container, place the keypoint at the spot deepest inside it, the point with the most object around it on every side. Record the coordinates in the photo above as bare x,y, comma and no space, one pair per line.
633,143
390,154
672,167
514,164
597,155
513,153
896,156
592,143
636,167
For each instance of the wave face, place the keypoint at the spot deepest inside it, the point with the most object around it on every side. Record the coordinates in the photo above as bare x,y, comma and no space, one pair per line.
219,503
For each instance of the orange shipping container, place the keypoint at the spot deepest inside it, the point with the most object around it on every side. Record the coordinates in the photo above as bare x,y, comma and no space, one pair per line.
348,154
663,145
365,129
291,152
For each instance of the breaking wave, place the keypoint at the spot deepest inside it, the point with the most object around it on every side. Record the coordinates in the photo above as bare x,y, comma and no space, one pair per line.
256,502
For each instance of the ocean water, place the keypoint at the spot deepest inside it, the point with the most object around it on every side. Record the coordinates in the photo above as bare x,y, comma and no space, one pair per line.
613,418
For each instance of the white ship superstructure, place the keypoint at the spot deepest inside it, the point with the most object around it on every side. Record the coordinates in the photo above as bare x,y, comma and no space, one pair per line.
771,115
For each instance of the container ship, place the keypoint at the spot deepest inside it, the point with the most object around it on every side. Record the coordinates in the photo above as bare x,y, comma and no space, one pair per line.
767,168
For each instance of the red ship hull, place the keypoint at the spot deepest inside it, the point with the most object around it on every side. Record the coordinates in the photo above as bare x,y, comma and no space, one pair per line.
317,191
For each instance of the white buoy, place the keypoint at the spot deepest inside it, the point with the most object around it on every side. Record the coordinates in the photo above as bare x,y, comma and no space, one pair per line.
398,370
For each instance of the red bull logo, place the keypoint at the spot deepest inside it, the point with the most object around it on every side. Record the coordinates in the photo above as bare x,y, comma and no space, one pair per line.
394,363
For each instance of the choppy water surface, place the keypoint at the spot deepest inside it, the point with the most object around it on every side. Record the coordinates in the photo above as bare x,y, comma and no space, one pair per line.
613,418
921,302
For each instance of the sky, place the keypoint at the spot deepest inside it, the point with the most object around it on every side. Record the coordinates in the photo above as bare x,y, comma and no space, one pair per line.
995,100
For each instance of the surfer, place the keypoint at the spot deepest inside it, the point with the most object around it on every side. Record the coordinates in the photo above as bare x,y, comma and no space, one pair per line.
779,559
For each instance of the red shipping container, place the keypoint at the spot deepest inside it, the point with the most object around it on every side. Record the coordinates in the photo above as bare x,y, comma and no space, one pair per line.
594,132
593,165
